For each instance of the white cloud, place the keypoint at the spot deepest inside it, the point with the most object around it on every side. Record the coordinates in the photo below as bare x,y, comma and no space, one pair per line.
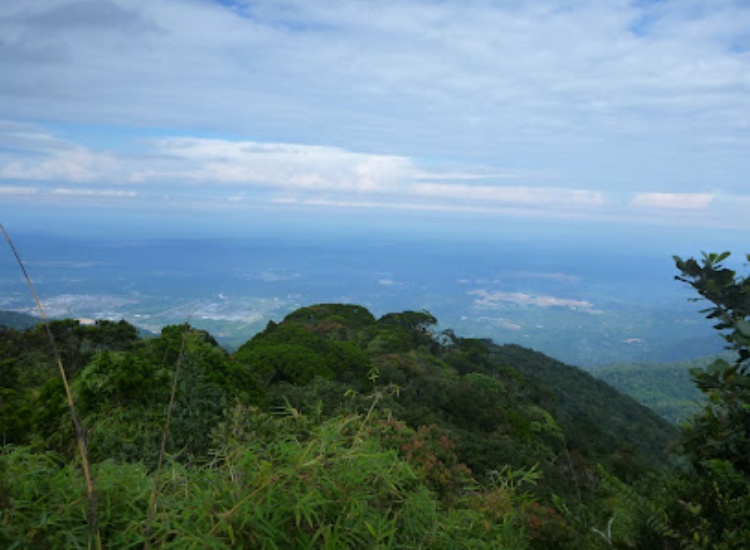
17,190
539,275
111,193
78,165
29,153
489,299
513,195
505,324
401,203
182,172
678,201
277,165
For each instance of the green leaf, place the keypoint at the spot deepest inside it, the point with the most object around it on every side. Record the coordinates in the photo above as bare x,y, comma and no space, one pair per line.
743,326
723,256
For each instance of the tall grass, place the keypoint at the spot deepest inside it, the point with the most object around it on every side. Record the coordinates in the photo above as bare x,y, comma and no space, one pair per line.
94,536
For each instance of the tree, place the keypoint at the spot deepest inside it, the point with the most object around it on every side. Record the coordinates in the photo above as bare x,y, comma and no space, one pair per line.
711,506
728,292
722,429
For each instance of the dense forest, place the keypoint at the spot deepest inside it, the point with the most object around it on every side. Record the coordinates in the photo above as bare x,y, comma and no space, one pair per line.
336,429
666,388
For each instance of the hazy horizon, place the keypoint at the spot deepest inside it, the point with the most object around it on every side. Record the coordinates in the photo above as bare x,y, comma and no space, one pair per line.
576,296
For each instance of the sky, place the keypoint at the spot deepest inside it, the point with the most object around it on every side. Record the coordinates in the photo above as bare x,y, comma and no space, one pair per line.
614,113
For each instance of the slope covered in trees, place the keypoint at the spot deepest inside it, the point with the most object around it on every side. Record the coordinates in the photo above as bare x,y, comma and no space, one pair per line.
16,320
666,388
330,427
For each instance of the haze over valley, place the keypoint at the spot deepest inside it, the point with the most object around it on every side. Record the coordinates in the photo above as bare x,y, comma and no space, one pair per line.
587,303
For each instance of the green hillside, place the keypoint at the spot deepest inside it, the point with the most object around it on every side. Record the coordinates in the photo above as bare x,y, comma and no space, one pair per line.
492,399
459,429
593,412
19,321
667,388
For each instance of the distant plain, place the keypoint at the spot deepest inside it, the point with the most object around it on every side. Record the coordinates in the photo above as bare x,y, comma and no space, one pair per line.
584,301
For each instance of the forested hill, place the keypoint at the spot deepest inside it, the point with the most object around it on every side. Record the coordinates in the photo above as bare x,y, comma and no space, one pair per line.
13,319
449,376
667,388
587,407
521,447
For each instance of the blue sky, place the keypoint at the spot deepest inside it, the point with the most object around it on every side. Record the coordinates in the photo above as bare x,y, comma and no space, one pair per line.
609,112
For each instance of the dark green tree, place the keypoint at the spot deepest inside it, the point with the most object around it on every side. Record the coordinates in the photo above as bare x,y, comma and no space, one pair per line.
710,504
722,429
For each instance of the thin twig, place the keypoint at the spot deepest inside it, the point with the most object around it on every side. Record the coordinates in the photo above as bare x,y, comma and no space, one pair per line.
93,532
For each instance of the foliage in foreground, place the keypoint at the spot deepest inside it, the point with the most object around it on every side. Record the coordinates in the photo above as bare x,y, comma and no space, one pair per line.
371,449
275,481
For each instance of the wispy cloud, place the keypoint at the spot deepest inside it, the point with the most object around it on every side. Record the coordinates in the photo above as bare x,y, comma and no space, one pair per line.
181,172
106,193
27,152
17,190
679,201
277,165
495,299
512,195
538,275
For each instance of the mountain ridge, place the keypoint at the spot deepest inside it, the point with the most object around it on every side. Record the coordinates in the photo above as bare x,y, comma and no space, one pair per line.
474,421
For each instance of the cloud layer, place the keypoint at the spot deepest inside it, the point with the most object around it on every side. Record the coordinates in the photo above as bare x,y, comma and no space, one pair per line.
615,110
218,173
